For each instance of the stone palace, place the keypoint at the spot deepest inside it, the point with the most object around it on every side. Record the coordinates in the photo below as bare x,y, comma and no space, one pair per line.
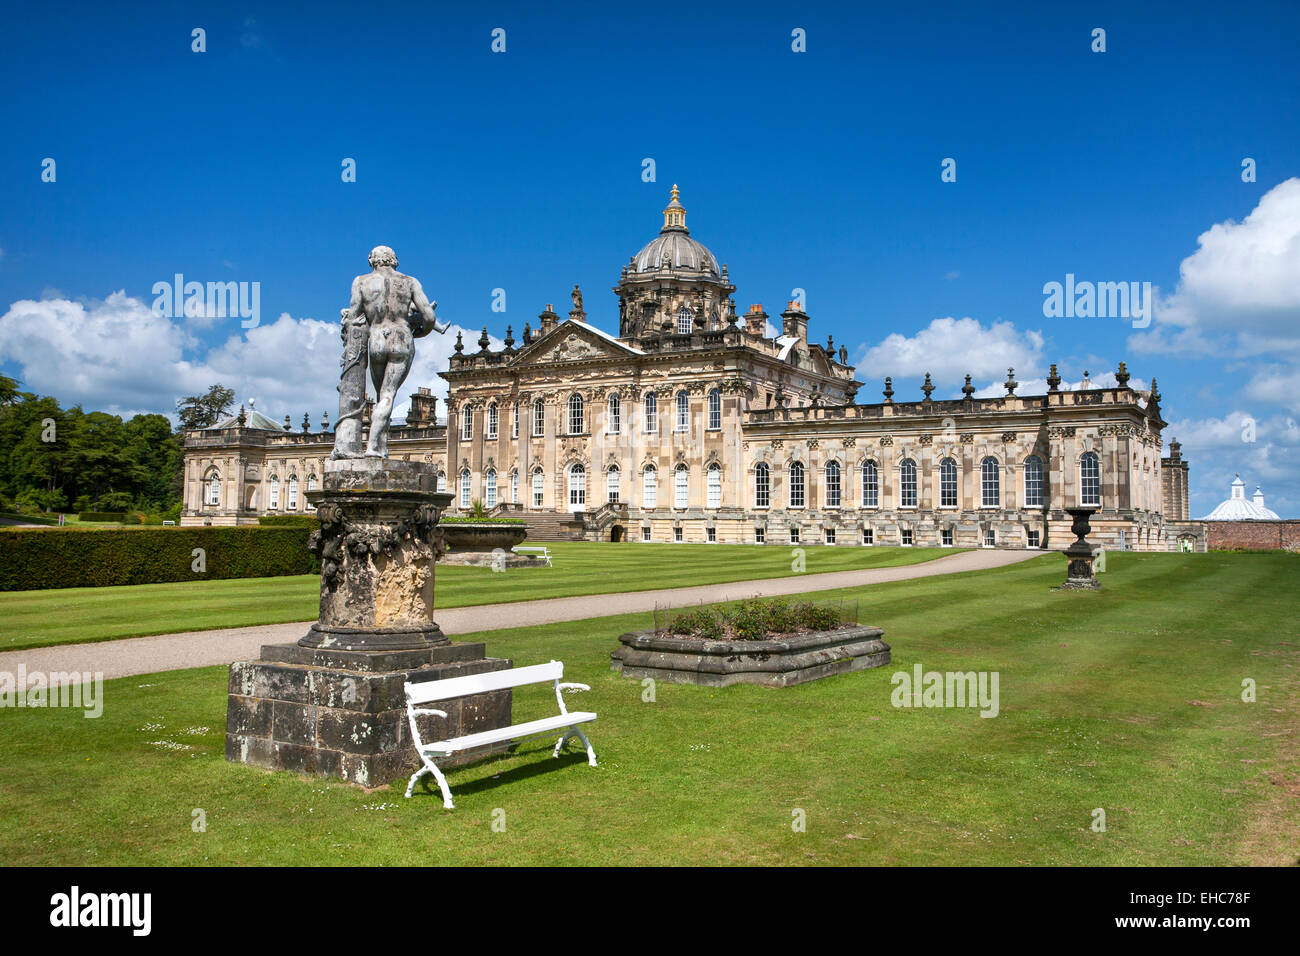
698,424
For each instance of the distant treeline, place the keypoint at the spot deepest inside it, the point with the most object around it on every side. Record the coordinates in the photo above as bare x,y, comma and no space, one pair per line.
67,459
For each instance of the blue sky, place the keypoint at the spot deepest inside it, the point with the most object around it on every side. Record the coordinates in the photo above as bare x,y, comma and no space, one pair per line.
522,170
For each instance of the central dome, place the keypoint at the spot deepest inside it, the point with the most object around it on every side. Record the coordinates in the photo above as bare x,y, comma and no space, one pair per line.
675,242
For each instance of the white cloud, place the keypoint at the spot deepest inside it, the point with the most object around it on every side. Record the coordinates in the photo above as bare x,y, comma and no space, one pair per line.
118,355
949,348
1038,386
1265,451
1243,280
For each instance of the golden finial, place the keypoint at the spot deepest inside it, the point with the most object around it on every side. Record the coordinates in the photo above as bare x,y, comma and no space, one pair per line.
675,212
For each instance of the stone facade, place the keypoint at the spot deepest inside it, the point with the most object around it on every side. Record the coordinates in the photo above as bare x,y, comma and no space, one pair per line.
697,425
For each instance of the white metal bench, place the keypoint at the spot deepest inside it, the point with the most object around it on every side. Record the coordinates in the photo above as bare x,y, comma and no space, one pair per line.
541,552
425,692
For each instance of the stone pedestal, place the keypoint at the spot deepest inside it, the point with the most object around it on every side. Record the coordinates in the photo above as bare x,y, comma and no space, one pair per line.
1080,573
333,704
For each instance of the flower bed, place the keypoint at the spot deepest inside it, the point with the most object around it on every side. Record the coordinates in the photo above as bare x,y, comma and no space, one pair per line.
775,643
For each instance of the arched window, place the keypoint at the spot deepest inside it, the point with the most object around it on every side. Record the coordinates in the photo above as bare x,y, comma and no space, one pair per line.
514,486
615,414
539,486
684,323
492,420
650,487
870,485
464,488
713,486
214,489
715,409
442,482
762,486
575,414
796,484
311,486
907,484
947,483
683,411
1033,482
292,503
1090,480
681,487
651,413
490,488
274,501
539,418
577,487
990,484
466,424
611,483
832,484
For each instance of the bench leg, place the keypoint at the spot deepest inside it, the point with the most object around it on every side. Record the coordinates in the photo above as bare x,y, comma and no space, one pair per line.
575,732
431,767
559,744
591,754
410,787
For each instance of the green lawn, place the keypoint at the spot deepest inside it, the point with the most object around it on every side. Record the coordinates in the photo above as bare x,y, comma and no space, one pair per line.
1127,700
80,615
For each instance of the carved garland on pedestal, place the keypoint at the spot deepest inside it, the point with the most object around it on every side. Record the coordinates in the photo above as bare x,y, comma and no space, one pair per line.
338,535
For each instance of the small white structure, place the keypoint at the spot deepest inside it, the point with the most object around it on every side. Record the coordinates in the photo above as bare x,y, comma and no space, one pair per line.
424,692
1239,508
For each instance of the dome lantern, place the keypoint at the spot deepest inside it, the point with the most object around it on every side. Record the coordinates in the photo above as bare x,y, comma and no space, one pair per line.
675,214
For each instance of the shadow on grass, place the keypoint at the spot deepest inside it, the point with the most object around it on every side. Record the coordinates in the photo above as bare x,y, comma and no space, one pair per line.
540,762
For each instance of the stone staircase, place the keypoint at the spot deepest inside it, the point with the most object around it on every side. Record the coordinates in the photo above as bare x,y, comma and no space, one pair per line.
549,526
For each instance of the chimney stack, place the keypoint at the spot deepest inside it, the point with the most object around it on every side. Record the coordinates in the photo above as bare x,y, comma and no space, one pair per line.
547,320
796,322
756,321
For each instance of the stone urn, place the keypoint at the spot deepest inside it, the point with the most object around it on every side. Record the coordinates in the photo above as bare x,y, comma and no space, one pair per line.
481,536
1079,571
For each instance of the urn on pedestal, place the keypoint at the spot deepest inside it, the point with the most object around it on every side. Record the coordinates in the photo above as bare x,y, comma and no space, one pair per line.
1079,572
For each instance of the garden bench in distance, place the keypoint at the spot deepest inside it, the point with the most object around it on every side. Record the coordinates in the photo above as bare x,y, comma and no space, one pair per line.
542,552
426,692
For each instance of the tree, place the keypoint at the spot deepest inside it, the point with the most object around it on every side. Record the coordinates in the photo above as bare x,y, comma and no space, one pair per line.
9,393
200,411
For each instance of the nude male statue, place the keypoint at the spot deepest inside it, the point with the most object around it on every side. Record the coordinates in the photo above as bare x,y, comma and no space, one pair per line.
394,308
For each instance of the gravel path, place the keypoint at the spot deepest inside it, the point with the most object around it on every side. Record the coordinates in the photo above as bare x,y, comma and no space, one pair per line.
146,655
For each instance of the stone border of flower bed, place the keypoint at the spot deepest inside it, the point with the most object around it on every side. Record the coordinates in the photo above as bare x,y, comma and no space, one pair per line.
774,663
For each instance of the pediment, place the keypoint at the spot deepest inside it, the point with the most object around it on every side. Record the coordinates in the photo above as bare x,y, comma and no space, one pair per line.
572,341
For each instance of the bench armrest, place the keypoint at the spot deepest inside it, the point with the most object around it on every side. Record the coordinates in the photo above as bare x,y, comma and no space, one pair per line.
573,687
429,712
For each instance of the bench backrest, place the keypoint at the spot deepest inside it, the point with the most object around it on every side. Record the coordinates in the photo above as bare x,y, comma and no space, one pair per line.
423,692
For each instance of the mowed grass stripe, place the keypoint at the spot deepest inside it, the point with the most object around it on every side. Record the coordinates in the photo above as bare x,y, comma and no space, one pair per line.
713,776
82,615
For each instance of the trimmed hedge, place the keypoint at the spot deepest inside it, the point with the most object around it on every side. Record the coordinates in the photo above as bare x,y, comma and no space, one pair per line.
114,556
289,521
102,516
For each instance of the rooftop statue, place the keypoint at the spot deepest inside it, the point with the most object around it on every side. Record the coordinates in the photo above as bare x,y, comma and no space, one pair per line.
387,313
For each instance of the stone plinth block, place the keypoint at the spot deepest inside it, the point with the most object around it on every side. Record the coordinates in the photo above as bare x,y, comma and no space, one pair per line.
377,543
776,663
342,714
